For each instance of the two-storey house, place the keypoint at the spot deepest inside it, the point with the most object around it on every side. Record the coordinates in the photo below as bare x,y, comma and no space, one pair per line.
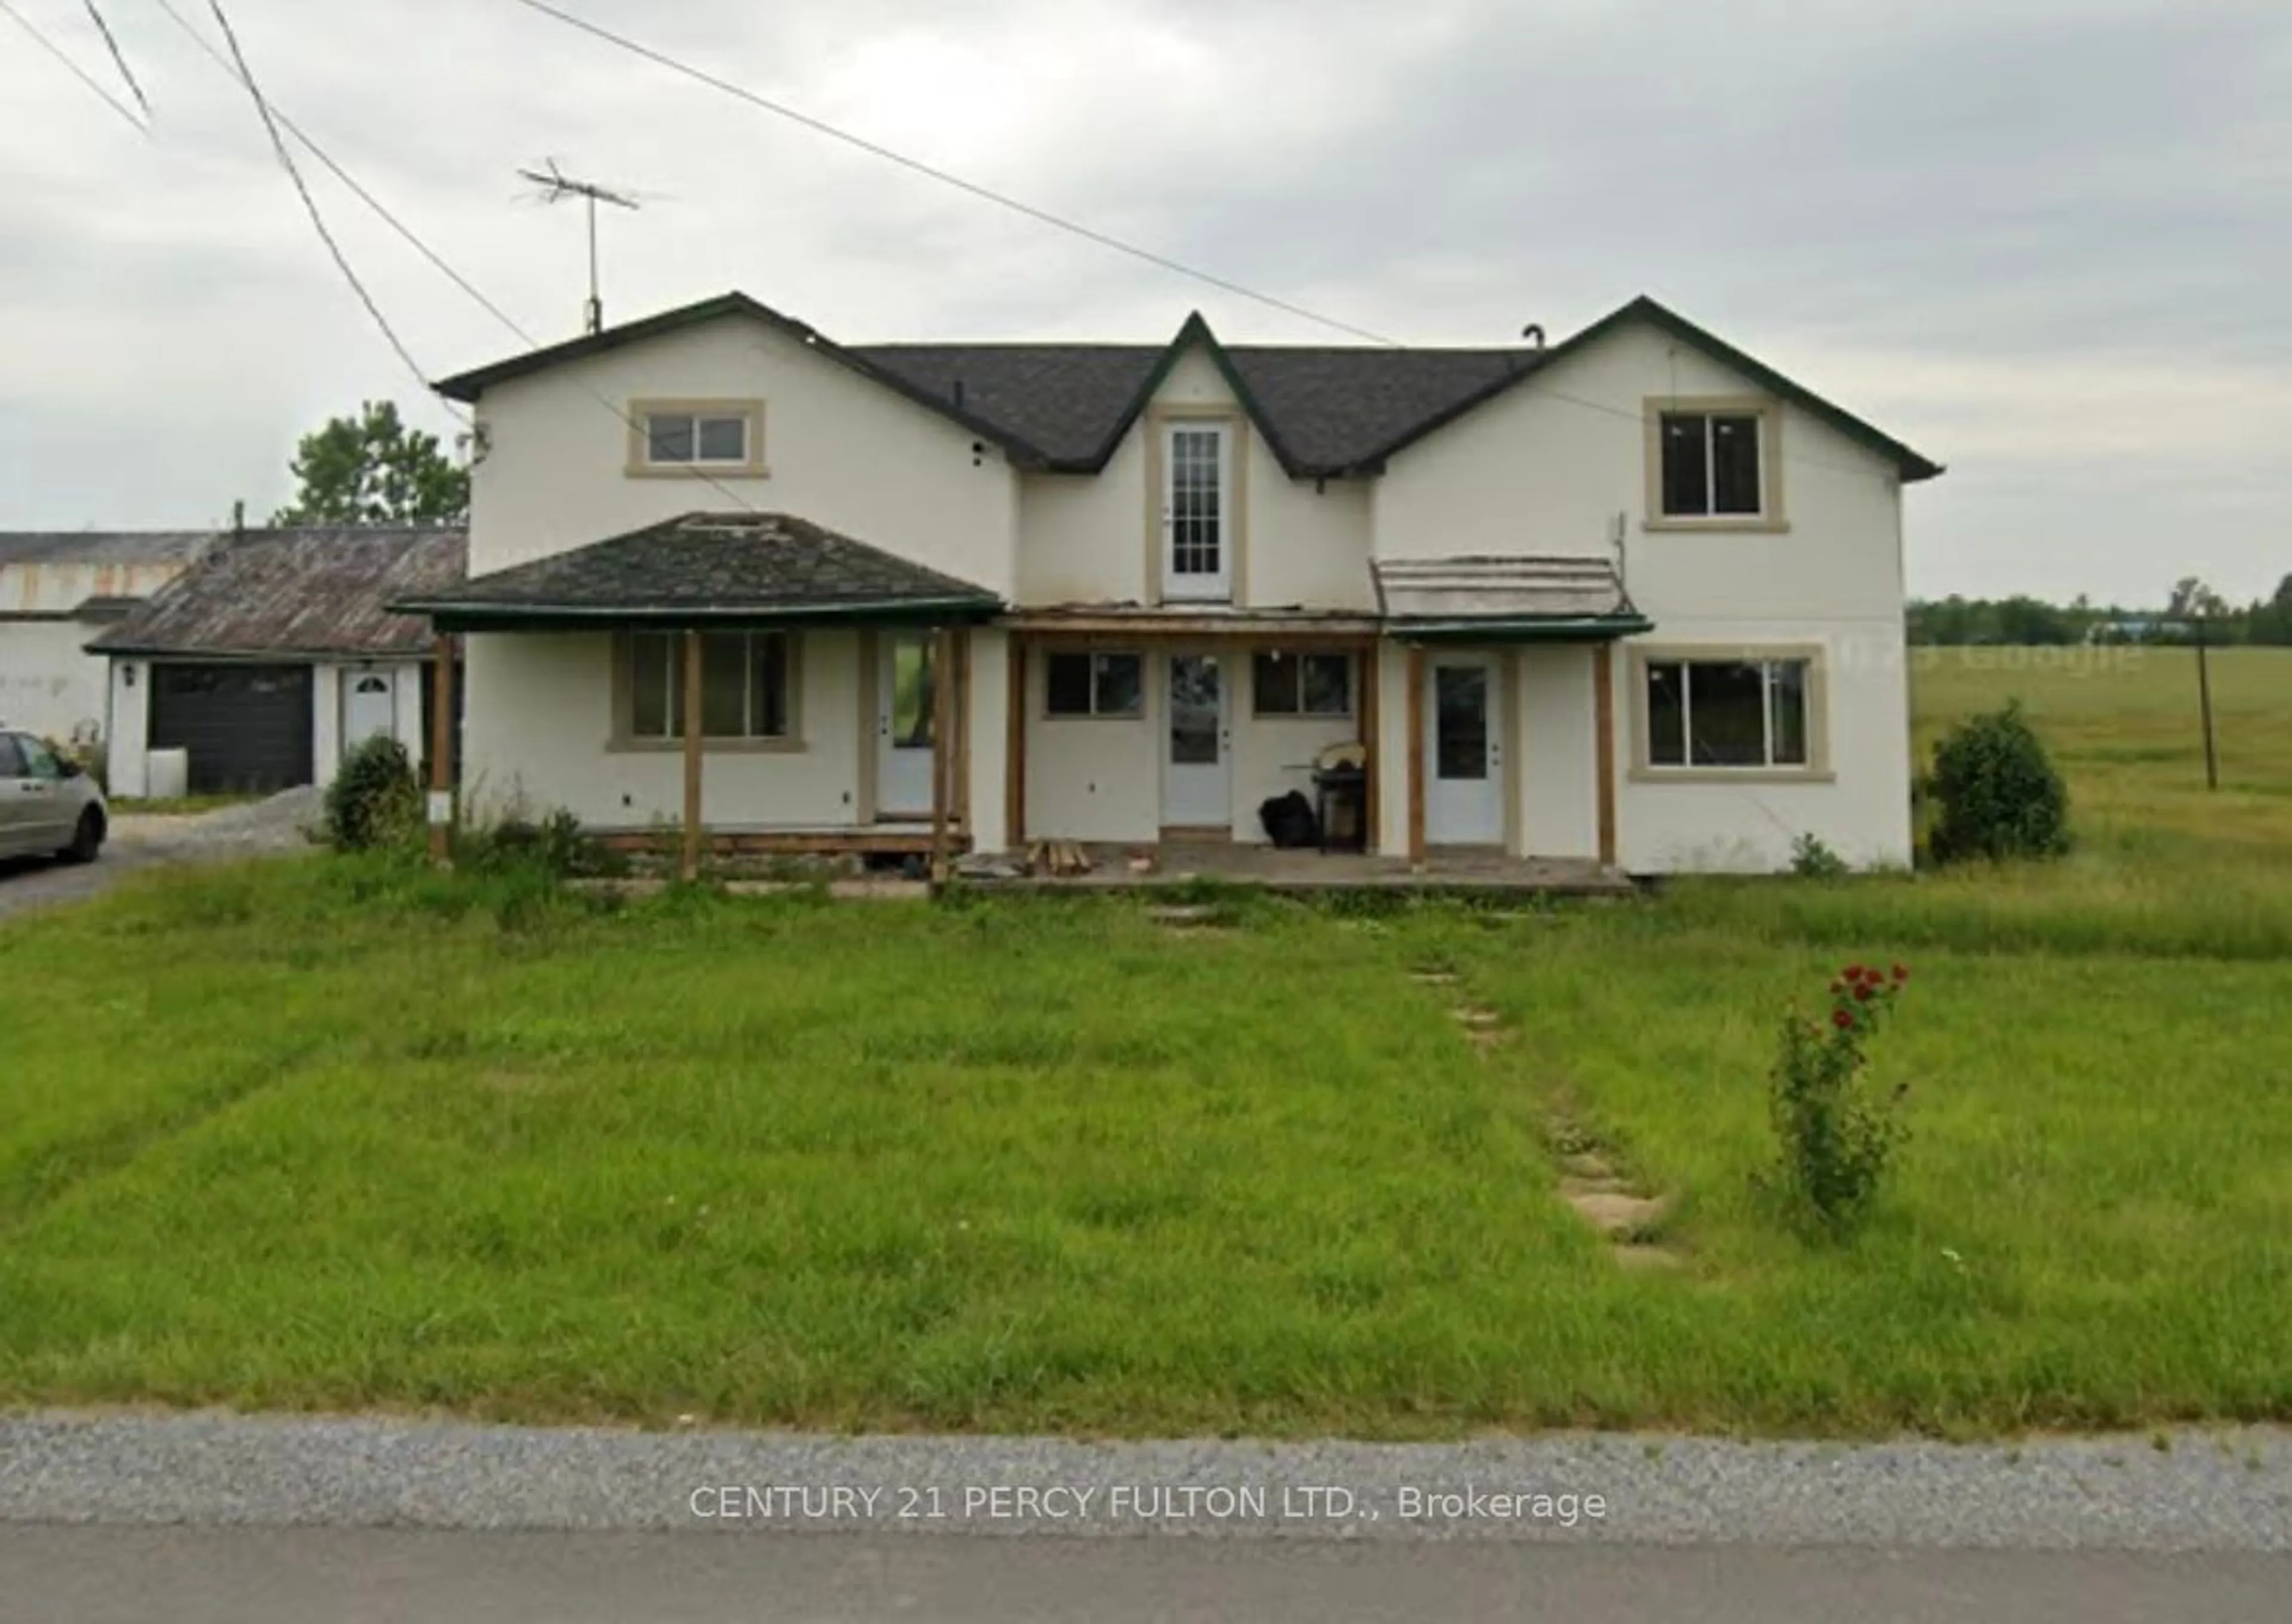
1631,598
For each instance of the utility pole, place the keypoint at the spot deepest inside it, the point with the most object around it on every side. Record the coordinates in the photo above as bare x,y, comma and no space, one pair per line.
2205,701
556,186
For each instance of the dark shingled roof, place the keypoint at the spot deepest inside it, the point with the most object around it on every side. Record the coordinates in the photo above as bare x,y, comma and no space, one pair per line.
1324,408
102,547
1325,411
309,592
714,567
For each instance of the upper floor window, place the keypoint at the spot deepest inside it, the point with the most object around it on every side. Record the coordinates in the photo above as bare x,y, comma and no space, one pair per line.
1729,713
745,686
715,438
1197,528
1711,466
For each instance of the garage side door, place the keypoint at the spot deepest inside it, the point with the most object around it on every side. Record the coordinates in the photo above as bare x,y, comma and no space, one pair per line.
247,728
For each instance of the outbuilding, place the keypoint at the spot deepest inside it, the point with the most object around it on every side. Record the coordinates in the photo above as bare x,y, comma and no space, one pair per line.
276,655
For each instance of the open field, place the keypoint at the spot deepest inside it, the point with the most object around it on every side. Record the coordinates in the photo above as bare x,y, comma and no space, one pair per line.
337,1134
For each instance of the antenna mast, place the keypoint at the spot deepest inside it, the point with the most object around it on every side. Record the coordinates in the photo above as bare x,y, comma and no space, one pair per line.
556,186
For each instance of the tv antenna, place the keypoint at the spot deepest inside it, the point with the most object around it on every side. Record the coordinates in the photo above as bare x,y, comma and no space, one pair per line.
556,186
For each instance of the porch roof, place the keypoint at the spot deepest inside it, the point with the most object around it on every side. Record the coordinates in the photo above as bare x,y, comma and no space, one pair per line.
1511,599
708,570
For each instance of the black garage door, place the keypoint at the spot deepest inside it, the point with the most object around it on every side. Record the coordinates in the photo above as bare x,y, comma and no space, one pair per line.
247,728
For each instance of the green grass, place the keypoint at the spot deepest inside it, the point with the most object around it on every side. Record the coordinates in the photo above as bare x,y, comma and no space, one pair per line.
340,1133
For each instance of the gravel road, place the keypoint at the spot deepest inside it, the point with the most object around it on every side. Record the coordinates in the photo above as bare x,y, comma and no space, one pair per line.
142,841
2205,1491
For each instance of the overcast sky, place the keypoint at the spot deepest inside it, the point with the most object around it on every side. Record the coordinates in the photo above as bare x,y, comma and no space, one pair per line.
2047,242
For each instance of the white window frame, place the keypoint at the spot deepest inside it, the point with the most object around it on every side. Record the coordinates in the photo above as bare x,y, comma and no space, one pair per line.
749,414
1810,714
1767,430
1098,712
1198,585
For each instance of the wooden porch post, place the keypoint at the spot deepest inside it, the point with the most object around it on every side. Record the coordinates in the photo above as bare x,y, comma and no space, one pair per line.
961,793
690,868
1371,726
1014,749
441,749
942,712
1416,753
1604,734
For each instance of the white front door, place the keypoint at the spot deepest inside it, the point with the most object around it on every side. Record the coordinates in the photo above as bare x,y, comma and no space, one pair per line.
369,707
1198,512
1196,750
904,706
1464,776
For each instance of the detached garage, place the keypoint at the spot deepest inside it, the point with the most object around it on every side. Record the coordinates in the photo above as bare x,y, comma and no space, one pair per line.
275,656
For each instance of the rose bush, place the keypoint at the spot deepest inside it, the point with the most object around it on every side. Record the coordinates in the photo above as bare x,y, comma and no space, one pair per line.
1838,1131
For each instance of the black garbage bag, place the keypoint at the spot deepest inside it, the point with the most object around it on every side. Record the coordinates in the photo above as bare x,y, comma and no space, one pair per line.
1289,820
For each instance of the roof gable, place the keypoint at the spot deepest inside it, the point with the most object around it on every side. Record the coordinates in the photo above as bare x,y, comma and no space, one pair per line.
1325,411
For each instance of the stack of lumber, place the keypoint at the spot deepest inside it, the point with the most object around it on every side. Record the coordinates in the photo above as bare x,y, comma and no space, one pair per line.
1058,858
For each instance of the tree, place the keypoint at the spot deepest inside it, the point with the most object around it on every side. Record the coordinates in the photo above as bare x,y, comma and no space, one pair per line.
372,469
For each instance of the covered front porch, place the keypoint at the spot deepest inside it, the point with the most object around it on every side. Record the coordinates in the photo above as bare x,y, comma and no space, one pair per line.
1179,863
729,685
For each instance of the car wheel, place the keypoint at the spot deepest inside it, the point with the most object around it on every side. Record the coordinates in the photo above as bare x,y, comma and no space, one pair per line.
87,839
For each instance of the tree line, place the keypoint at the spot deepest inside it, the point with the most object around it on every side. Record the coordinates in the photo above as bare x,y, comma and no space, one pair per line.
2023,619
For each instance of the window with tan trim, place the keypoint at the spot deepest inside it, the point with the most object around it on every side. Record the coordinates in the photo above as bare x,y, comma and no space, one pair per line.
747,690
694,438
1715,462
1725,713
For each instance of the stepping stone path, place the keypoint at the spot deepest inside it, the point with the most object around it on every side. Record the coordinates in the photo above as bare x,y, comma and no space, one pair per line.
1188,917
1590,1183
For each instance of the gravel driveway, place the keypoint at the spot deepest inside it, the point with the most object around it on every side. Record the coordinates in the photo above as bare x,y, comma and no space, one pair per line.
140,841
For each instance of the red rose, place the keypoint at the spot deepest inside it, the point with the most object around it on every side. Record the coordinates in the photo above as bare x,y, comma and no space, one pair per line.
1864,991
1855,973
1841,1019
1901,974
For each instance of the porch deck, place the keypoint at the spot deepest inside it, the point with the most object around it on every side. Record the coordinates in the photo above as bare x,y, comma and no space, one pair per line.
1457,871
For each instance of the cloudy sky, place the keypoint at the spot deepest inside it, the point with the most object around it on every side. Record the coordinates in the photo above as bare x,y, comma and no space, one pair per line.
2048,242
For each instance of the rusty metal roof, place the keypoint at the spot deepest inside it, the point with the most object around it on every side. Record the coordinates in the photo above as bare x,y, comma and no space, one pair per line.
103,546
314,592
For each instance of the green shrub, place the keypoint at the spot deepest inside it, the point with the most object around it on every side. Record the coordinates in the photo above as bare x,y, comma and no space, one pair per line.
1812,860
373,800
556,847
1996,793
1838,1132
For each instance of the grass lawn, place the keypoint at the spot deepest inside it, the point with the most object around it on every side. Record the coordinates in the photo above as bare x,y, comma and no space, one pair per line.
333,1135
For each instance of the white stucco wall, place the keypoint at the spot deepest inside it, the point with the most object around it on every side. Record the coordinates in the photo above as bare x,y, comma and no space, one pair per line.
1863,812
1085,538
1093,777
540,714
989,732
1554,751
49,683
840,450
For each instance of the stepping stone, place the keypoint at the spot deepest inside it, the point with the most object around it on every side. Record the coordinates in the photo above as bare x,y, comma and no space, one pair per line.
1182,916
1479,1019
1433,978
1588,1164
1571,1186
1638,1255
1612,1213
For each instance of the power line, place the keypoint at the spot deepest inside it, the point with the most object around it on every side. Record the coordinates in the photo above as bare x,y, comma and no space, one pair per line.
1041,215
620,414
1001,200
245,75
118,59
57,51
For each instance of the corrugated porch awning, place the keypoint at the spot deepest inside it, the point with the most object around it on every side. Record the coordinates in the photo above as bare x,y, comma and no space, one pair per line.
1516,599
714,569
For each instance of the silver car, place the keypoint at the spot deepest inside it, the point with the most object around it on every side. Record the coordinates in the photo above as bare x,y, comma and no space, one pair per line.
49,806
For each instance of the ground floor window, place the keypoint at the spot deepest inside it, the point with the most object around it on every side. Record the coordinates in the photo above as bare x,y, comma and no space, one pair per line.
744,685
1286,684
1728,713
1094,684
